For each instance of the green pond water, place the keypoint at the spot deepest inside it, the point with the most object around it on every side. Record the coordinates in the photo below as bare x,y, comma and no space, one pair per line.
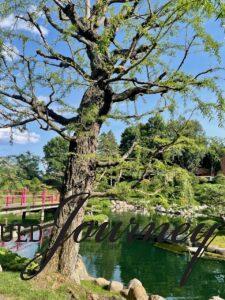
160,271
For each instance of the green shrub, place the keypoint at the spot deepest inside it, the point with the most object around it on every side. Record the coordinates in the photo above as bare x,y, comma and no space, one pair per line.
13,262
203,179
220,178
211,194
100,218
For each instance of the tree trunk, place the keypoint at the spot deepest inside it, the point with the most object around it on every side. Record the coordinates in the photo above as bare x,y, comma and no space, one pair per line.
79,179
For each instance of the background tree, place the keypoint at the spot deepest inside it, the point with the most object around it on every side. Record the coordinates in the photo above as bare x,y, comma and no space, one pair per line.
114,51
56,153
108,146
215,152
18,172
147,134
8,173
29,166
180,141
191,146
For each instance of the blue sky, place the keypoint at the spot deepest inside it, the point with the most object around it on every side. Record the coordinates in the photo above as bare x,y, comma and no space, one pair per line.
37,138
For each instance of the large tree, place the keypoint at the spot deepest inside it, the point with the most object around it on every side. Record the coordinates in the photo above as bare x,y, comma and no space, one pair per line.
111,51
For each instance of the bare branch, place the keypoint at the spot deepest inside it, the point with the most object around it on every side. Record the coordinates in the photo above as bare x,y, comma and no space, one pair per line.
40,109
119,1
65,62
139,116
17,123
61,30
103,194
186,52
132,93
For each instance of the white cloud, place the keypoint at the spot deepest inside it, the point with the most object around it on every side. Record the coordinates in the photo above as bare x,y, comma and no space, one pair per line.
19,137
12,23
8,21
10,52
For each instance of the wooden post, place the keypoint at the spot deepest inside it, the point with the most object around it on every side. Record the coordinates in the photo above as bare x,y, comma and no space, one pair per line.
57,198
24,197
43,197
42,215
7,200
23,216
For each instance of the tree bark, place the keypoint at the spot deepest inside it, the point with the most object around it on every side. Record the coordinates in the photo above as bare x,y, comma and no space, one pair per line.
79,178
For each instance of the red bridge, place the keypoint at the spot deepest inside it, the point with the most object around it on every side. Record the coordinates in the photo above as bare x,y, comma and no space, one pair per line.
27,202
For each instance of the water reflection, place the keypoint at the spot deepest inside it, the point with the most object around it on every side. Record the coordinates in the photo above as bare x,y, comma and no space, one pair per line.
160,271
27,249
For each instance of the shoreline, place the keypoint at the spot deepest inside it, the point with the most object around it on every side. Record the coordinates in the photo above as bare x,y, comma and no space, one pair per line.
211,253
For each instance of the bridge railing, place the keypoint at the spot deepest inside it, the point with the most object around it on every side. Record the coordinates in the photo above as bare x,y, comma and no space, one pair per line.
25,198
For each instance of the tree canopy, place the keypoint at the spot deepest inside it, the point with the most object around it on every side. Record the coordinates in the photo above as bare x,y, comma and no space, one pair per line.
134,47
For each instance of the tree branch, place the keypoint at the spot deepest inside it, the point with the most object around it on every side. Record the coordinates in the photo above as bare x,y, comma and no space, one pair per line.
88,9
61,30
41,109
122,159
132,93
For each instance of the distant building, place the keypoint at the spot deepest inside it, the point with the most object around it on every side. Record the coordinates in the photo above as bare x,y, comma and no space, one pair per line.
210,173
205,172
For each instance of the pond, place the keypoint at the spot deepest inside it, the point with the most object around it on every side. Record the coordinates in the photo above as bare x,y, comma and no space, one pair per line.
160,271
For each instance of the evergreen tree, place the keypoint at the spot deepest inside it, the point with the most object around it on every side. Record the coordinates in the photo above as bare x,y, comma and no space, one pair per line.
56,153
107,145
29,166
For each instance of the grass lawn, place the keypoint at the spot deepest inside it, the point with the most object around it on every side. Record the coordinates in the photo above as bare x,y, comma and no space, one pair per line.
219,241
12,286
53,288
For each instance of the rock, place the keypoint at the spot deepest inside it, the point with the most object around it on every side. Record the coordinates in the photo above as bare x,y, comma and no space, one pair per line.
156,297
115,286
211,249
122,206
216,298
137,292
3,297
93,297
134,282
1,268
81,270
220,251
102,282
124,293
